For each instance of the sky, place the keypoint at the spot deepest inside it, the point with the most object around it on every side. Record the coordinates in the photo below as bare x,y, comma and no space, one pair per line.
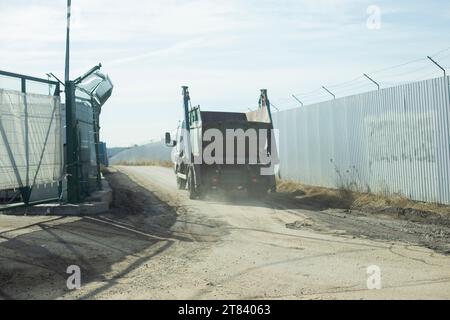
224,50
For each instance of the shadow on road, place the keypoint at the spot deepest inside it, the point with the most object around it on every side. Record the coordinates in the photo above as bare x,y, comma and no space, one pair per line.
34,259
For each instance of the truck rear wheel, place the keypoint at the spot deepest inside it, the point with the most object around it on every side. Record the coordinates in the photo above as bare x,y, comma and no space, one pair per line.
181,183
195,192
191,185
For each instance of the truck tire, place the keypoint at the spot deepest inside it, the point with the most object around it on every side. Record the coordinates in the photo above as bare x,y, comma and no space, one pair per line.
191,185
201,193
195,192
181,183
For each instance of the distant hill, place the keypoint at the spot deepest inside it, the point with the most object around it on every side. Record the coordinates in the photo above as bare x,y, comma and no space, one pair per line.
113,151
153,152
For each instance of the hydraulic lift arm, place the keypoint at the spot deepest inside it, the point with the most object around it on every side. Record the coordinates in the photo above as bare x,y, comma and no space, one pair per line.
265,102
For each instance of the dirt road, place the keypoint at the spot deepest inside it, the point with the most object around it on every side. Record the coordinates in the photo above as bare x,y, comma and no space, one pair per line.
157,244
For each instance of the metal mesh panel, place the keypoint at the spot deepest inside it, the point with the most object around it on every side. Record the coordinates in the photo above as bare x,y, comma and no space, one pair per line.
30,139
88,158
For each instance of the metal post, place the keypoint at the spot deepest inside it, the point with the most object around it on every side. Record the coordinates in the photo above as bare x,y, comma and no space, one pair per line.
26,190
67,70
72,161
272,105
49,85
440,67
96,125
23,83
57,93
297,99
334,97
376,83
72,158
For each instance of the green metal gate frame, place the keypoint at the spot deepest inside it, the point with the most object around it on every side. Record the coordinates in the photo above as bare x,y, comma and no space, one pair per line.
75,191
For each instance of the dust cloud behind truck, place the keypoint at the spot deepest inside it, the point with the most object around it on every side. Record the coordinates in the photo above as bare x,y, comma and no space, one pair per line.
224,150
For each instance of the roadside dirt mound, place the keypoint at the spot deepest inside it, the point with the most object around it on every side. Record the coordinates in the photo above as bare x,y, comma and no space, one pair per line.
368,216
396,206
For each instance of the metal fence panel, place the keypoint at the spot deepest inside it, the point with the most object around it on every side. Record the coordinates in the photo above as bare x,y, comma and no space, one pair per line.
87,153
30,140
391,141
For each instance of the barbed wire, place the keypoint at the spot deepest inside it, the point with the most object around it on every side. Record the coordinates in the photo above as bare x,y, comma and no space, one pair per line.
364,85
444,57
343,84
397,66
439,52
304,94
409,72
356,83
428,75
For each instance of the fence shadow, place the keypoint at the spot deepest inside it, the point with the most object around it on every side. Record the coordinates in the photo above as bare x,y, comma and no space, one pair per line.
33,264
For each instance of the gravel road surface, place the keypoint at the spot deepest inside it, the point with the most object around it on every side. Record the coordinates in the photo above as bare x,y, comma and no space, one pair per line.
155,243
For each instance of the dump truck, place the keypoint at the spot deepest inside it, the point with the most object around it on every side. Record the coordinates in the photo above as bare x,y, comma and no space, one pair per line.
224,150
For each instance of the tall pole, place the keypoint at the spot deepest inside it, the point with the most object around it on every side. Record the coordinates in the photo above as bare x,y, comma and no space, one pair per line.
72,161
67,70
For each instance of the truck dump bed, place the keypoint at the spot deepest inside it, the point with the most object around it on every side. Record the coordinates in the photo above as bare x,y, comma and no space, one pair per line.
226,121
215,117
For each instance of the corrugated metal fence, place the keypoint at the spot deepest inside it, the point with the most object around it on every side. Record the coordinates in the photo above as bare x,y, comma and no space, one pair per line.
392,141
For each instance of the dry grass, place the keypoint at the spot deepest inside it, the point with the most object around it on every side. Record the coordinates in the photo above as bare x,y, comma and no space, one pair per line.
316,196
342,198
398,201
166,164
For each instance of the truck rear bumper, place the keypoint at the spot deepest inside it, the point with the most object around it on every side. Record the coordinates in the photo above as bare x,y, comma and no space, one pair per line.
236,178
